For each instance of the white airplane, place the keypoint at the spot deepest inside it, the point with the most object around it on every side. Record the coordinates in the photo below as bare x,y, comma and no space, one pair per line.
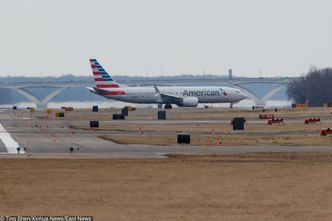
188,96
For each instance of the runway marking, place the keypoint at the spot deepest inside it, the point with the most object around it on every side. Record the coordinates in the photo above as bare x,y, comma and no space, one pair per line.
10,144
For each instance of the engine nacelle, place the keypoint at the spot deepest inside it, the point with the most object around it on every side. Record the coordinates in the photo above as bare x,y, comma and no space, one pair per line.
189,102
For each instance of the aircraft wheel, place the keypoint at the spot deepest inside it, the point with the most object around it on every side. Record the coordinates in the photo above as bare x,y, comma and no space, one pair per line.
160,106
168,106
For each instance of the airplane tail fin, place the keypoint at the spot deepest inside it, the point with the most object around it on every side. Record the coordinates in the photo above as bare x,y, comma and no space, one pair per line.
102,78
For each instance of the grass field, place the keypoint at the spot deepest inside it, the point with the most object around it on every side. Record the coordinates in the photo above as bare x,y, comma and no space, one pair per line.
262,127
292,133
223,140
234,187
186,113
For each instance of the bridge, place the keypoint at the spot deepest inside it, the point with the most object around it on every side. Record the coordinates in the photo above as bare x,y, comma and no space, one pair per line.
41,104
22,87
261,101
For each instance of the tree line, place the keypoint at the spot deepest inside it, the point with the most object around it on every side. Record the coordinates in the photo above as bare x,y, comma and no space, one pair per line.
315,88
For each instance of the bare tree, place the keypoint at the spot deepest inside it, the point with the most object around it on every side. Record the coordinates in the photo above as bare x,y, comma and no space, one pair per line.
315,88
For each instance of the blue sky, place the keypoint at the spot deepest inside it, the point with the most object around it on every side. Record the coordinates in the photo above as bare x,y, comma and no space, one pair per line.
153,37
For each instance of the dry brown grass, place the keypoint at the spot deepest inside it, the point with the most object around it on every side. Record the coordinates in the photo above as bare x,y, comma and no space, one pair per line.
245,187
291,133
223,140
184,113
204,127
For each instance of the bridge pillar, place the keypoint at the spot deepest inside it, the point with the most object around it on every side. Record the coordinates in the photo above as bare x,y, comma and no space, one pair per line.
41,106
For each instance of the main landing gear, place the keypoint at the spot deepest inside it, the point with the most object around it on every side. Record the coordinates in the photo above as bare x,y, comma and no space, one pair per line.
167,106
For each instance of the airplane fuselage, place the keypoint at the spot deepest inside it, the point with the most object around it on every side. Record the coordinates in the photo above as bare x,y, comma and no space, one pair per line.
147,95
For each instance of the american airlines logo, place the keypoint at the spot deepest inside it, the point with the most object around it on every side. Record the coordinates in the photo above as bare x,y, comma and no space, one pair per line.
204,92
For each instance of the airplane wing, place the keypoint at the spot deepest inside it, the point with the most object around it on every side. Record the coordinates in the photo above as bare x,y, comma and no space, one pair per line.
167,98
170,98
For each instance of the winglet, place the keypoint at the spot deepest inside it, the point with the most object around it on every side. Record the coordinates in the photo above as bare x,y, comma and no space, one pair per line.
156,89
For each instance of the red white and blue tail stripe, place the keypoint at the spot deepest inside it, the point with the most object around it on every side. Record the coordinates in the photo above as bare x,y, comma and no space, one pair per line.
105,85
102,78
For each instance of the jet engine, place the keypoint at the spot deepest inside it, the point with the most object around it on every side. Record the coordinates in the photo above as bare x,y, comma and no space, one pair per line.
189,102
